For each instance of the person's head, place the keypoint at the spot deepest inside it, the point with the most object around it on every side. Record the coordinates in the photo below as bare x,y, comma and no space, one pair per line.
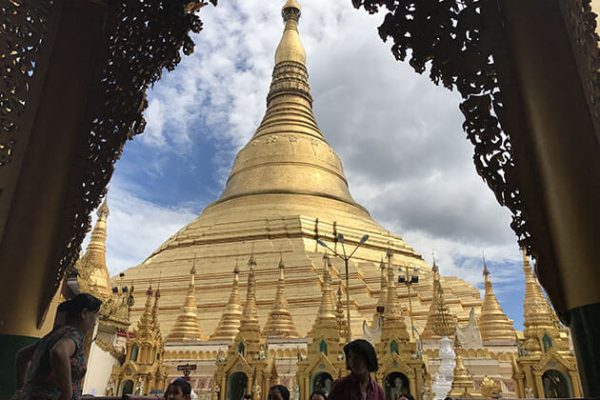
318,395
360,357
279,392
179,389
61,314
407,396
82,311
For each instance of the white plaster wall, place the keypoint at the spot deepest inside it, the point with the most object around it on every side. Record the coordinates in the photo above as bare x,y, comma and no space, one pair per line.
98,373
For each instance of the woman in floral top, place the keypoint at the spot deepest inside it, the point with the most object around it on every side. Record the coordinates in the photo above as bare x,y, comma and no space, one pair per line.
58,363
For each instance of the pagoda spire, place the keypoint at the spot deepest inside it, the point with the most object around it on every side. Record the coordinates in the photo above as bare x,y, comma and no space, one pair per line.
463,385
538,316
290,136
280,322
229,325
382,285
493,322
249,325
145,326
155,309
394,326
439,320
92,268
339,313
187,325
326,323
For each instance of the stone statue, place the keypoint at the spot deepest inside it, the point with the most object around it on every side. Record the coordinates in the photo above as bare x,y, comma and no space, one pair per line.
256,392
396,389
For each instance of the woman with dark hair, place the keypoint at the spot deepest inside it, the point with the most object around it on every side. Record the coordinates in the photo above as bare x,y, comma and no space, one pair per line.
179,389
279,392
361,360
58,363
318,395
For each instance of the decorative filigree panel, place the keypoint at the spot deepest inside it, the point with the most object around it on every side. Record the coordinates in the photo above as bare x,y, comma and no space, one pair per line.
23,28
144,38
451,38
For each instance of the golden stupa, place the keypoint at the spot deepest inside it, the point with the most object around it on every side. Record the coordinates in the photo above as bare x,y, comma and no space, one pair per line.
286,189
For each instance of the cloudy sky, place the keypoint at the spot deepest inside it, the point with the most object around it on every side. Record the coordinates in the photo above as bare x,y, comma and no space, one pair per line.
400,138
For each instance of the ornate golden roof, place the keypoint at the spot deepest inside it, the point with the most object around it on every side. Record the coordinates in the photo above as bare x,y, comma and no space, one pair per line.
229,324
92,269
187,326
280,322
493,322
439,320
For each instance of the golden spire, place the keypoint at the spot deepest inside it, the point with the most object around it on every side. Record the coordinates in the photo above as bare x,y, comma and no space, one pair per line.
249,325
493,322
462,381
145,326
339,313
383,285
394,326
155,320
290,47
288,146
280,322
229,325
93,272
439,321
187,326
538,316
326,324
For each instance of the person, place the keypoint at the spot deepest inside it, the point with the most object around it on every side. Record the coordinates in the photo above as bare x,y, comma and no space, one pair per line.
406,396
361,360
279,392
318,395
179,389
24,355
57,366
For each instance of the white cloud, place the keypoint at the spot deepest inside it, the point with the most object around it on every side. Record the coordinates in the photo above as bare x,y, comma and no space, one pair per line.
136,227
399,136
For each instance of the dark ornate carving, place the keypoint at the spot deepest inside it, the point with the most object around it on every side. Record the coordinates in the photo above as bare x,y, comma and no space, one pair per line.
22,28
144,37
451,37
581,27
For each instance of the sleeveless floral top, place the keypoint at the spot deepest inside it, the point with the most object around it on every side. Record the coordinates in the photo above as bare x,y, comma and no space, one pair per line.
39,383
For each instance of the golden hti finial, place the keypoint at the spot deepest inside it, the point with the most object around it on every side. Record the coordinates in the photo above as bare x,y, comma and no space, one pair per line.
187,326
463,385
440,322
229,325
394,326
290,47
493,322
279,322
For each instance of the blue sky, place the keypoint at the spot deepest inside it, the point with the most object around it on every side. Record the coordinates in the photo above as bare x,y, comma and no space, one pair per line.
399,136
